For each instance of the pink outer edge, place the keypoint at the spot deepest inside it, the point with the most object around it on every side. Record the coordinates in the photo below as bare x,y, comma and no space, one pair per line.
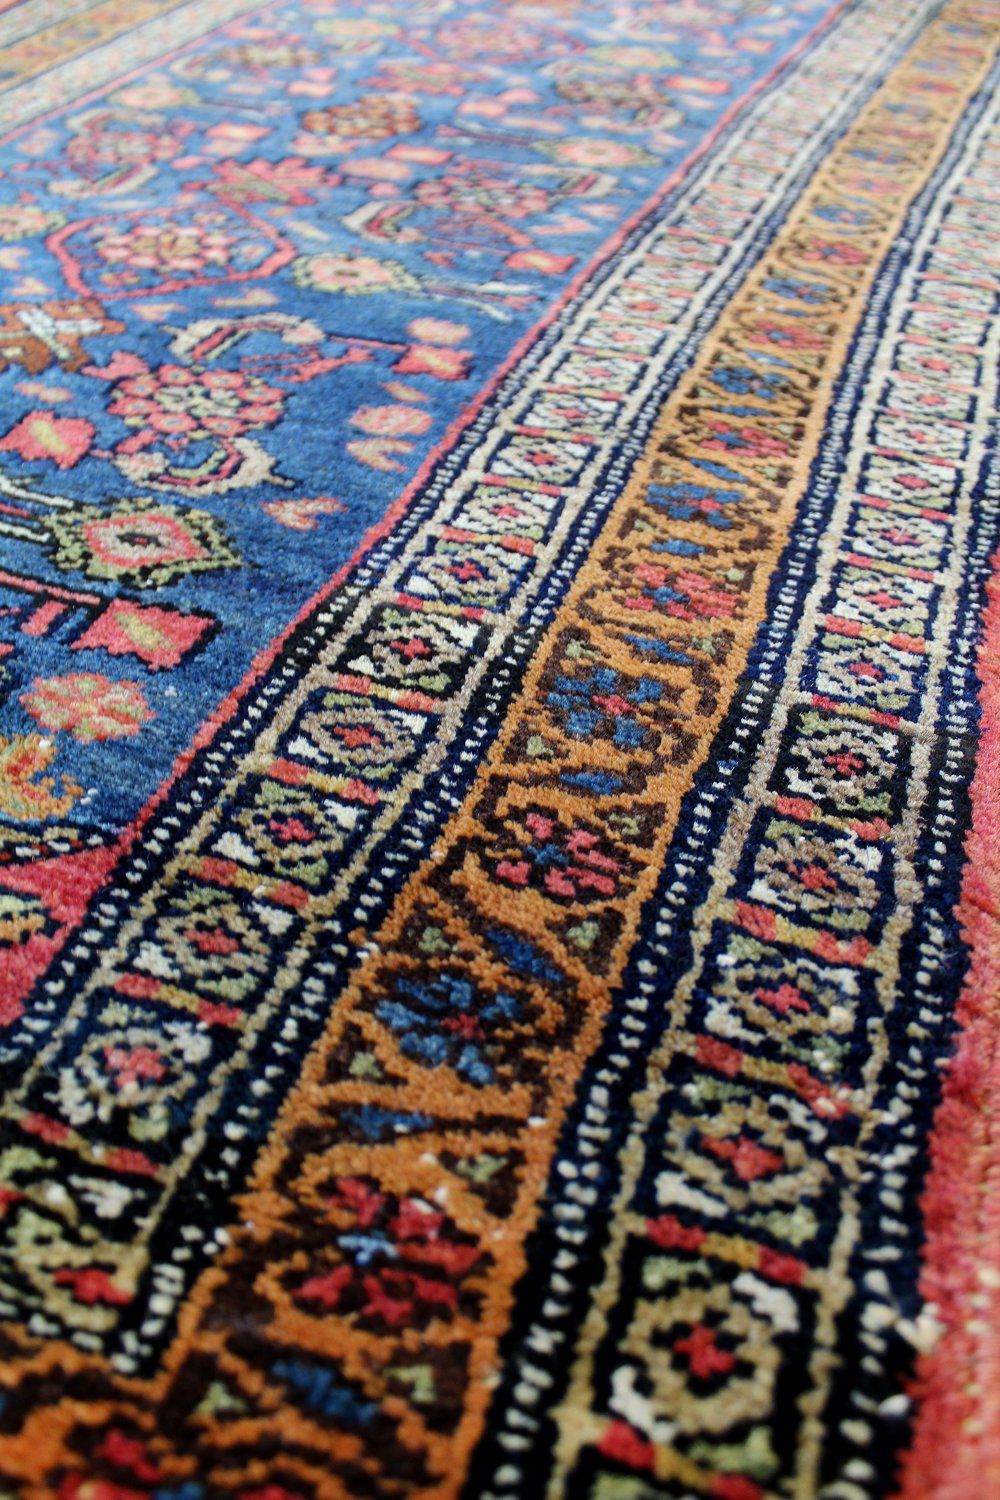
955,1448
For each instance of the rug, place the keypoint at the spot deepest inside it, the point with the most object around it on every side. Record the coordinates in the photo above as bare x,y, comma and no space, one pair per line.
499,750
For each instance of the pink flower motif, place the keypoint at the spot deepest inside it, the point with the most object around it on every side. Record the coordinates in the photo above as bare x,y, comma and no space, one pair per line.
377,453
430,359
168,249
300,515
185,405
477,193
391,421
109,140
351,275
89,706
586,151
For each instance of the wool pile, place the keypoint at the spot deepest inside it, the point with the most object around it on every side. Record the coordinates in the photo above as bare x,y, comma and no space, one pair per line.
499,750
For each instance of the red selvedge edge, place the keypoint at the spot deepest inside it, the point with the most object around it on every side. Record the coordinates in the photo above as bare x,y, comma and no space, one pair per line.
954,1452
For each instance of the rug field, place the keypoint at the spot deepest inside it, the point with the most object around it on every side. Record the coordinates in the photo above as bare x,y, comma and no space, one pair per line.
499,750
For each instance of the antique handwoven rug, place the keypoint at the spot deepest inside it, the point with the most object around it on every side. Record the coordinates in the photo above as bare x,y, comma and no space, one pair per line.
499,750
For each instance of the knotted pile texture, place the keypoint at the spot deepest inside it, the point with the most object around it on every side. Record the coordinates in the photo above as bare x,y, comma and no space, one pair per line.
499,750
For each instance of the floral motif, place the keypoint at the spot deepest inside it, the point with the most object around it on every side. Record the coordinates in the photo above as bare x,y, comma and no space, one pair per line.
372,117
141,542
438,331
183,405
300,515
391,421
394,1262
192,426
595,152
52,332
154,92
89,706
169,249
130,1067
451,1022
291,180
353,275
475,197
640,99
113,151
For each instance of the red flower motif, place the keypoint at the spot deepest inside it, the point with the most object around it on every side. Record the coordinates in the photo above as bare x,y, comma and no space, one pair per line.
184,405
